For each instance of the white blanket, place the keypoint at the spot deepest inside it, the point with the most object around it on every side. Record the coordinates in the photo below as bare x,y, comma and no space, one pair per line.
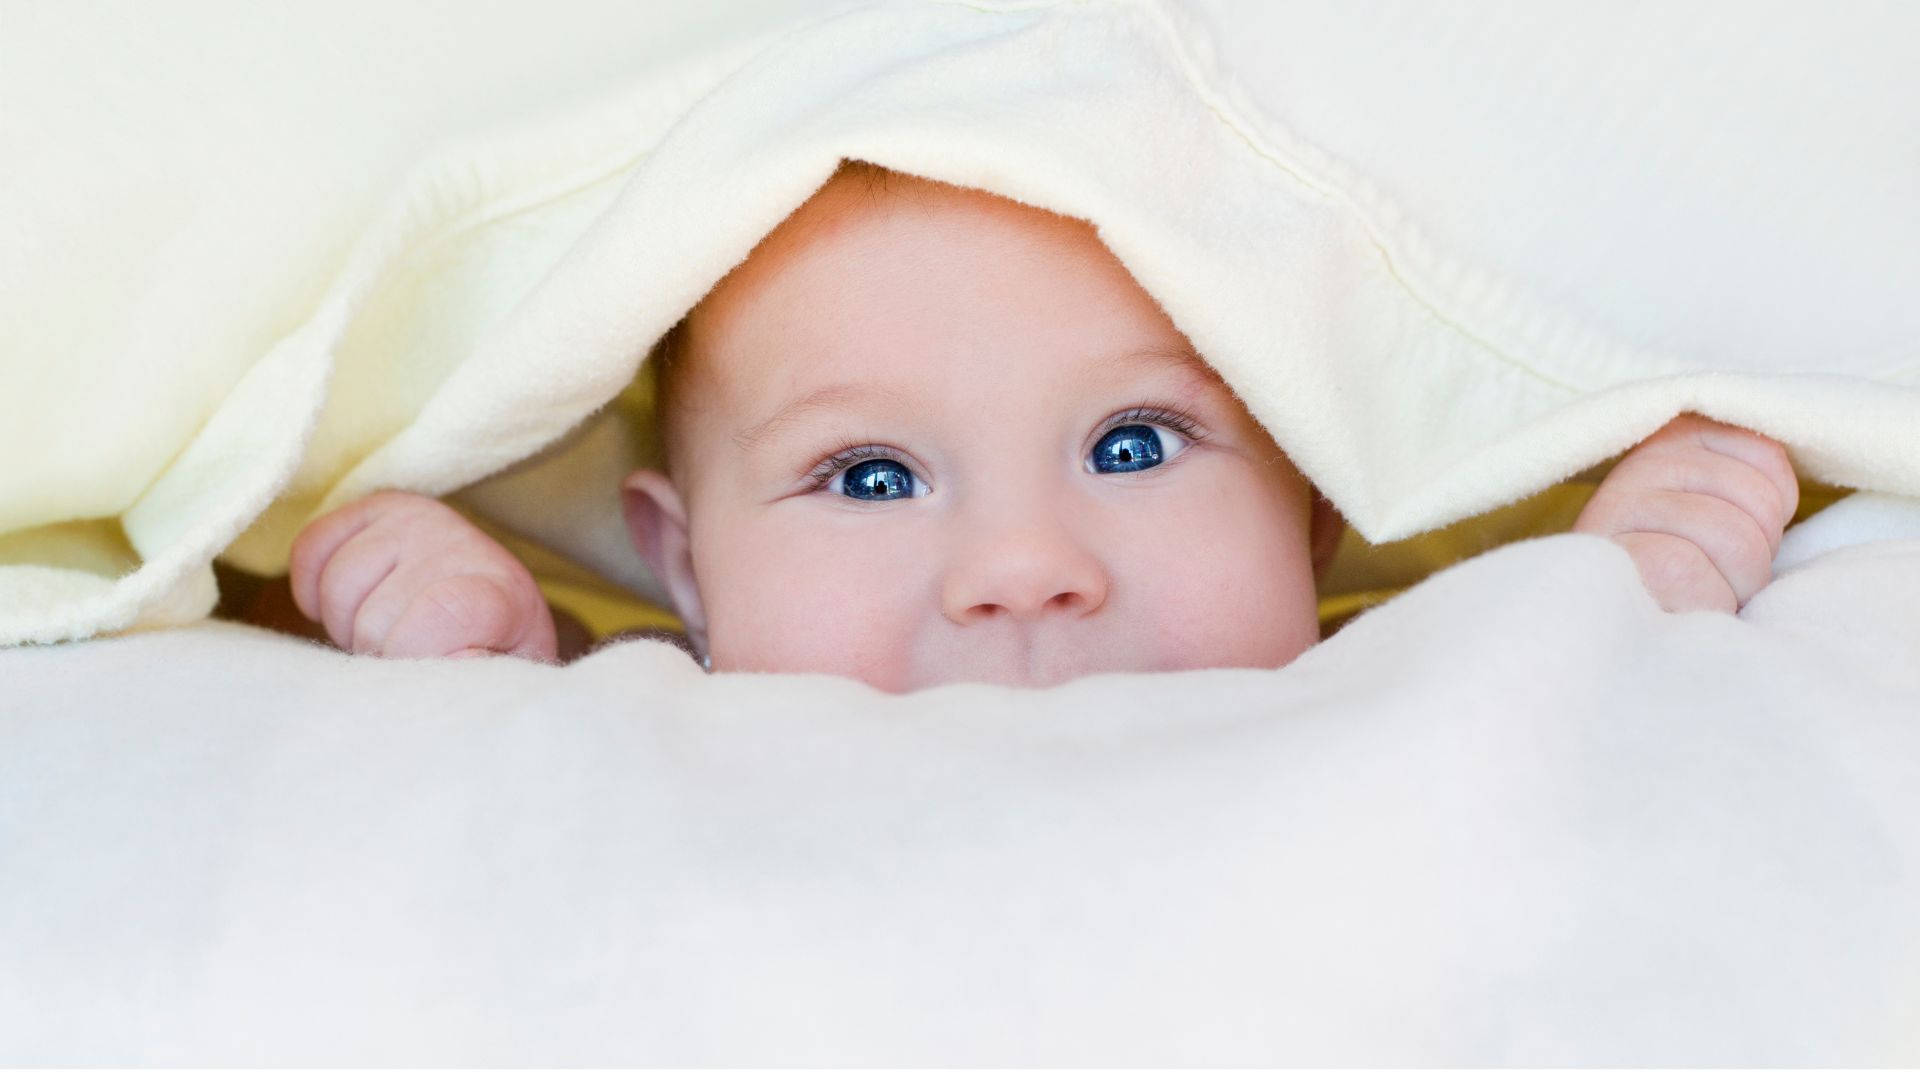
259,262
1516,816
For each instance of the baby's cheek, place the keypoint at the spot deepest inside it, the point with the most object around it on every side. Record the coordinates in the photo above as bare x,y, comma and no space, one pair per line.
786,605
1236,589
1246,612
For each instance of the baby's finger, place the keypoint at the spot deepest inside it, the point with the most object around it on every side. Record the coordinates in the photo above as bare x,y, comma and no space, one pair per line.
353,574
315,547
1677,573
465,611
475,611
1756,450
1738,548
1687,466
323,537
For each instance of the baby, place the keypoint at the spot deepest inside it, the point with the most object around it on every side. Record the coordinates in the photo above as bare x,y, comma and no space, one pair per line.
924,434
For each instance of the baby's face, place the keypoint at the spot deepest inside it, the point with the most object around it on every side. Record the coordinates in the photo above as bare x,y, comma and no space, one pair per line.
931,435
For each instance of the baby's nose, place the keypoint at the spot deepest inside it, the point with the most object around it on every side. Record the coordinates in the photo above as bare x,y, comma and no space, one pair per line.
1026,573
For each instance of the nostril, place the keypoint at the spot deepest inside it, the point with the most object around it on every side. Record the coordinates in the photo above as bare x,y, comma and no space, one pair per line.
1062,603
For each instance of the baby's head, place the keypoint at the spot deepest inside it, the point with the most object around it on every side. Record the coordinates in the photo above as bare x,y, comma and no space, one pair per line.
924,434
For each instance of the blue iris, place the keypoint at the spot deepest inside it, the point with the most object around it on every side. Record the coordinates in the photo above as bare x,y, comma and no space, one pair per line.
878,480
1127,449
1131,448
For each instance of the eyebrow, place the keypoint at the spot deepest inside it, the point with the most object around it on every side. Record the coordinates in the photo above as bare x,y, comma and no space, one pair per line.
842,394
838,395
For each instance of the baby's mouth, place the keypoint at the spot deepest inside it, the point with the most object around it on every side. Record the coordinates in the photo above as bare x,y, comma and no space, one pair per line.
1022,665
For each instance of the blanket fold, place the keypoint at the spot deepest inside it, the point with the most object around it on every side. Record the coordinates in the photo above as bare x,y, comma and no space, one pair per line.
510,282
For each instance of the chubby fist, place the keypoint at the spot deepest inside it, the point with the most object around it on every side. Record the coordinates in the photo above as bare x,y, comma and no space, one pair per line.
1700,506
398,574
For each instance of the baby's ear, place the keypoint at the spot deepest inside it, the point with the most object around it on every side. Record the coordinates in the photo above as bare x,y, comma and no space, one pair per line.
657,524
1324,533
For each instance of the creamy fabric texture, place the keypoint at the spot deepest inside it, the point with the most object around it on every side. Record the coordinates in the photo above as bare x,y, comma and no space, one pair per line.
261,262
1562,828
346,251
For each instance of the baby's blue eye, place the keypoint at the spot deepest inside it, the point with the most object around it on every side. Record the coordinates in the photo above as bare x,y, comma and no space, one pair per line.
876,480
865,474
1133,448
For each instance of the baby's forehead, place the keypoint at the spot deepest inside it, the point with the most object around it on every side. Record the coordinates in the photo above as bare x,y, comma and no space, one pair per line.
807,309
859,202
1051,382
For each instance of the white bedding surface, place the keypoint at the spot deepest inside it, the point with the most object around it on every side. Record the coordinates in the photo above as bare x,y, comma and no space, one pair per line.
1517,815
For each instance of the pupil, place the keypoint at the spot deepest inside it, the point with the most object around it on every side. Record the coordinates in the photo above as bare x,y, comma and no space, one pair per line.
1128,449
877,480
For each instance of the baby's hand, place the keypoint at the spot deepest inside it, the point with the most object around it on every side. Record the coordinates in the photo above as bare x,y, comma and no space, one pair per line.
1700,506
397,574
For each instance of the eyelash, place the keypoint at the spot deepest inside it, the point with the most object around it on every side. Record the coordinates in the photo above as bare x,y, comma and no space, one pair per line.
822,474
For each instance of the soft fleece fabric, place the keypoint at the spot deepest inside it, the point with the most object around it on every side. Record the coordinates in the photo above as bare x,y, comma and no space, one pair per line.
202,365
1516,816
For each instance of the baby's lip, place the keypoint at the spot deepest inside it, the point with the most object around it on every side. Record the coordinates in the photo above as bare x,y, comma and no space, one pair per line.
1023,666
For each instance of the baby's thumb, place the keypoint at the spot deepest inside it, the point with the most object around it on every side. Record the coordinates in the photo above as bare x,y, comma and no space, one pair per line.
474,615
